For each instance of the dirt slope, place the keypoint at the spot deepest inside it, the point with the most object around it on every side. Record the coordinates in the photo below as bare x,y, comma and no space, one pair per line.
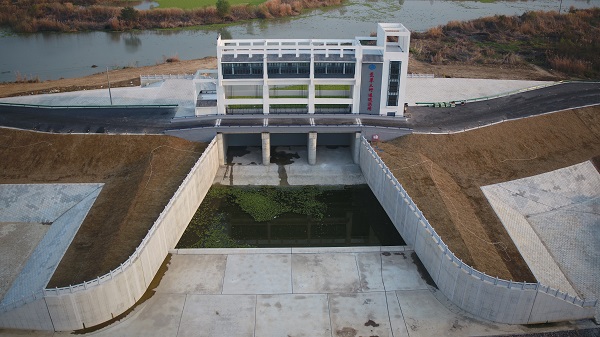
140,173
444,173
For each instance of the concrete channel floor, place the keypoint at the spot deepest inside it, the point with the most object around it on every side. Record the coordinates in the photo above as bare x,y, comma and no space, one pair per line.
334,167
355,291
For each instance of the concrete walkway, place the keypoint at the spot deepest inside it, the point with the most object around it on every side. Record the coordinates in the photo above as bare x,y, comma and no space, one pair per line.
29,253
454,89
554,219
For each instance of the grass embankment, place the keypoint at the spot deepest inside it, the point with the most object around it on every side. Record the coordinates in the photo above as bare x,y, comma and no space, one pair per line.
568,43
27,16
192,4
140,173
443,174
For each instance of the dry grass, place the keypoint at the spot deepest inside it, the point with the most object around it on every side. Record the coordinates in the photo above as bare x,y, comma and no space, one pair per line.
444,173
567,43
140,174
28,16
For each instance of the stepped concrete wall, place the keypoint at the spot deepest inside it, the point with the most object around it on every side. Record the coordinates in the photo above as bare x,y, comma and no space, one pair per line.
97,301
473,291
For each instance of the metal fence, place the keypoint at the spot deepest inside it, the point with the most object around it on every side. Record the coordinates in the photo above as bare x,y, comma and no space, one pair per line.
167,77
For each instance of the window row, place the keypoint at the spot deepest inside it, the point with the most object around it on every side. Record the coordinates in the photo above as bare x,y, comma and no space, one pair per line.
288,70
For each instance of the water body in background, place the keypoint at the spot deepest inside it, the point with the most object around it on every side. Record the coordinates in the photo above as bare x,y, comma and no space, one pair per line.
56,55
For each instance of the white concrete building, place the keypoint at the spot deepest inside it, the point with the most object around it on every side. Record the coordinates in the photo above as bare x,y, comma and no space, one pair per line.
364,75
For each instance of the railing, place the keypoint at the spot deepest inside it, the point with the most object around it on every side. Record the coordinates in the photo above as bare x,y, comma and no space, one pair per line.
453,258
167,77
42,106
420,75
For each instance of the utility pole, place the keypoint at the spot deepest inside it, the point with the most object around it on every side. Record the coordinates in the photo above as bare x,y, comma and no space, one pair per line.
560,7
108,80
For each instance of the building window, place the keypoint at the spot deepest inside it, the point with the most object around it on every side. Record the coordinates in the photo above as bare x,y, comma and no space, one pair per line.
394,83
334,69
288,69
242,70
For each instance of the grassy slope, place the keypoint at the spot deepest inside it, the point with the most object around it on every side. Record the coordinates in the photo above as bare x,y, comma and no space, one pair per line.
191,4
568,42
140,173
444,173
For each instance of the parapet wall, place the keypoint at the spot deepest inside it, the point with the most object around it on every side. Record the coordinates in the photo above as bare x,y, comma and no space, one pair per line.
475,292
97,301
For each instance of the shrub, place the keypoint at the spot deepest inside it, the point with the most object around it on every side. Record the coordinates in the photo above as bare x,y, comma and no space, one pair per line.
223,8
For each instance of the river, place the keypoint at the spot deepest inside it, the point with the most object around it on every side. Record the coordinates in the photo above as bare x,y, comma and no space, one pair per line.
56,55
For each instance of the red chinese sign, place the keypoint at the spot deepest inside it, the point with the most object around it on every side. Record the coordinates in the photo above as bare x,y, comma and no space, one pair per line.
371,88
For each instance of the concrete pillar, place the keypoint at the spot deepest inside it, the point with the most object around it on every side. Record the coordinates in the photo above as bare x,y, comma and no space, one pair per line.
266,148
222,149
312,148
355,147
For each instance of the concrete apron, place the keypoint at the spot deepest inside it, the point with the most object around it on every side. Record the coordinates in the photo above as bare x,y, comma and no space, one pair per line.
352,291
334,166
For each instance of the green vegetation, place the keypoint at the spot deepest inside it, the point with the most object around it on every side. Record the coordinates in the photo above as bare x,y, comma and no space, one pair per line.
193,4
244,106
332,87
28,16
284,106
345,106
223,8
266,203
207,230
568,43
290,87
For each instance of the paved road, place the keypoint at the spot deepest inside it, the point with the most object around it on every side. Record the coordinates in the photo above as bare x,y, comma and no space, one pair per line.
530,103
422,119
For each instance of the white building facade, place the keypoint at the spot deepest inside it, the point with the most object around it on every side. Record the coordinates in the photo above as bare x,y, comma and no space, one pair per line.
364,75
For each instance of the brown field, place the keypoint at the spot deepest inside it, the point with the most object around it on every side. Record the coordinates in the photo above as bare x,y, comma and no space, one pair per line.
567,43
140,174
443,174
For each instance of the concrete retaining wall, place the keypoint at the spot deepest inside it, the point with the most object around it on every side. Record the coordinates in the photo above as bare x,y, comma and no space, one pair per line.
477,293
99,300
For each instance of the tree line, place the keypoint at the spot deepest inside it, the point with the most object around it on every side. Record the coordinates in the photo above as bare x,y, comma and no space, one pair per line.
28,16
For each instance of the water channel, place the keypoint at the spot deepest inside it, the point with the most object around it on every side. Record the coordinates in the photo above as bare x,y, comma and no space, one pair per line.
299,216
56,55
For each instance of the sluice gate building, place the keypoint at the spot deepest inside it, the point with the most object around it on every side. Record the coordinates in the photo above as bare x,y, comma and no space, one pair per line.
364,75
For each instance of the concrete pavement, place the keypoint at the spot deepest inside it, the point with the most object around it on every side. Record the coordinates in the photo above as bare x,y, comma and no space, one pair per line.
554,221
24,208
359,291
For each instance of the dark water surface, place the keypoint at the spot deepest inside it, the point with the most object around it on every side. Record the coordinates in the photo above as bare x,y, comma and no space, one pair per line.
346,216
55,55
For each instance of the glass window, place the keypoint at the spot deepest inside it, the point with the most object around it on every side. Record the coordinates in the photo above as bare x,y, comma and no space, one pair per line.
394,83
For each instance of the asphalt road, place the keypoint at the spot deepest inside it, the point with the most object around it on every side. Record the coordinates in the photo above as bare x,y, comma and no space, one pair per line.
422,119
530,103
